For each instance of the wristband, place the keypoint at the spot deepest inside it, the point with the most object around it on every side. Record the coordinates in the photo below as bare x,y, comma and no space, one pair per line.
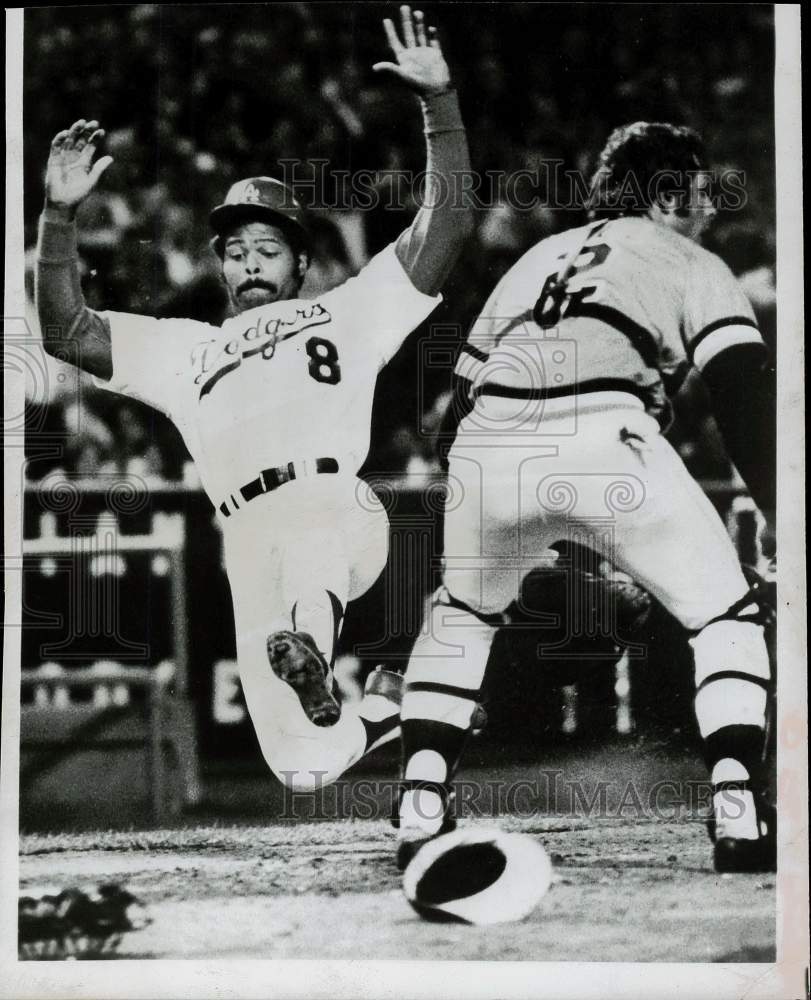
441,113
57,237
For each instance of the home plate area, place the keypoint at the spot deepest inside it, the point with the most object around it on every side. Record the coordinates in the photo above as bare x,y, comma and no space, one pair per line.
622,890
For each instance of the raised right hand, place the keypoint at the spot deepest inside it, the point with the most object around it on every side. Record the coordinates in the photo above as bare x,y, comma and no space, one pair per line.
420,63
71,174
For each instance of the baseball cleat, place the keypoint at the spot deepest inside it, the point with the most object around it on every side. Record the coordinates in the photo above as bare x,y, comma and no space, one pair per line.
295,659
740,854
736,854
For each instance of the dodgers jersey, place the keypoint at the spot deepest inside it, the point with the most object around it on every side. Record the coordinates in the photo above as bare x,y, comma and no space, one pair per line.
642,303
285,382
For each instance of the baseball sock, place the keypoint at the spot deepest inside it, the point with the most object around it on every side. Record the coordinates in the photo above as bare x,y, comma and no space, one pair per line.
319,613
732,681
733,755
442,689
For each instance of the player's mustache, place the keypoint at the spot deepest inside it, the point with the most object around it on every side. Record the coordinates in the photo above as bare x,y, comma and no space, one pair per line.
257,283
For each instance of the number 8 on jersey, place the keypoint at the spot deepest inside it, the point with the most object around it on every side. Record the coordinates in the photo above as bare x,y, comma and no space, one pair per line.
323,356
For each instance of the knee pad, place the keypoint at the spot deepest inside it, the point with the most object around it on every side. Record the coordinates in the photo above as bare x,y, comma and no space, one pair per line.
732,675
730,648
448,661
733,643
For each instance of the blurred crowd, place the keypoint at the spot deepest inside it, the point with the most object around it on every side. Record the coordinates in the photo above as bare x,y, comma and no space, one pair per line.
194,97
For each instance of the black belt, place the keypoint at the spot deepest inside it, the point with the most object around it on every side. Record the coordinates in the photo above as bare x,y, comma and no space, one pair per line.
271,479
557,392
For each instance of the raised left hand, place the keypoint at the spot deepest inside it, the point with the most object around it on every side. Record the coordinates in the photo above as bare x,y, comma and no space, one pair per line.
420,63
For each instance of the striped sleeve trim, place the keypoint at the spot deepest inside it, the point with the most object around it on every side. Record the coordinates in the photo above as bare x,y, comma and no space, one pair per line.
717,324
720,339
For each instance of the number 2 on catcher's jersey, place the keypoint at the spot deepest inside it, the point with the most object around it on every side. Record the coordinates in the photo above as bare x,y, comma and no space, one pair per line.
549,308
323,365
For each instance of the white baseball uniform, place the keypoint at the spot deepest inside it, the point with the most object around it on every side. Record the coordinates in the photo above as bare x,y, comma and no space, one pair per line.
563,442
564,435
275,408
287,386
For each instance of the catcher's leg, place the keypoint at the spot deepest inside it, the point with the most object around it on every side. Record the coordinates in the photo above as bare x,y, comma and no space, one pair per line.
443,682
675,545
448,662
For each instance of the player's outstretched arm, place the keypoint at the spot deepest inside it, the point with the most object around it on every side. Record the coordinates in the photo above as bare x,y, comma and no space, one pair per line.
429,247
69,328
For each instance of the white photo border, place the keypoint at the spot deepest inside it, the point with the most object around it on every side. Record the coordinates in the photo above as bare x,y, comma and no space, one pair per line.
784,980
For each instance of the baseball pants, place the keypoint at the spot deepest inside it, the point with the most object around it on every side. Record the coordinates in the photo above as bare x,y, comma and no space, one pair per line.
285,552
523,476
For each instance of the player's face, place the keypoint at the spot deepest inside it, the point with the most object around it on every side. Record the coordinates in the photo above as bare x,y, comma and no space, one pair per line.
700,209
259,266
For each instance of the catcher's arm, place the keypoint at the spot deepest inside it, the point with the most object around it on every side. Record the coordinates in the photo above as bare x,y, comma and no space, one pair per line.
741,381
428,249
69,328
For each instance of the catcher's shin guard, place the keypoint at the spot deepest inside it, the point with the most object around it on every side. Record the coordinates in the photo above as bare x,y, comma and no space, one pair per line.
295,659
734,705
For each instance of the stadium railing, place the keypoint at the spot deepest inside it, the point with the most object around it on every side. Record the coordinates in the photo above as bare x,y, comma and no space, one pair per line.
117,736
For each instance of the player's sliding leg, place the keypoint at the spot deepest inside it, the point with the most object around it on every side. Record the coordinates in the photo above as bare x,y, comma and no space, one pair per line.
281,614
304,658
283,675
443,681
302,755
301,641
301,648
316,615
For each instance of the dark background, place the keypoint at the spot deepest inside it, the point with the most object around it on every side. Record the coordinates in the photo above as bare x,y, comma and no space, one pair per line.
195,97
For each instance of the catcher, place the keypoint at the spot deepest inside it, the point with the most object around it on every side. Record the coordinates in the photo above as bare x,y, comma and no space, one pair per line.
563,391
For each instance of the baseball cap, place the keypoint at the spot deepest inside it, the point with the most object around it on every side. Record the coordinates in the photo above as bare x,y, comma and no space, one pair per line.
259,198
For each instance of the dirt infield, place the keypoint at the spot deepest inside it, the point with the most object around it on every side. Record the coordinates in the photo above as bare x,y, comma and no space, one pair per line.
624,890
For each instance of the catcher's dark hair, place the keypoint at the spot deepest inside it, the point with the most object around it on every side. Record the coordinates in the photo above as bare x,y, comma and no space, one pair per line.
644,164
